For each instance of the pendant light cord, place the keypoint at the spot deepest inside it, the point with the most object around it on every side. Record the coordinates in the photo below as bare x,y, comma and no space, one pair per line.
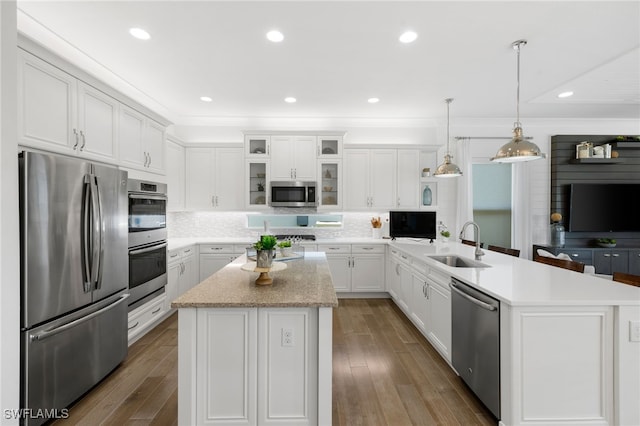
448,101
516,45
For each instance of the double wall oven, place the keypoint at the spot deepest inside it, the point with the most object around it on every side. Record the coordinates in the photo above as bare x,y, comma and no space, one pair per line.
147,240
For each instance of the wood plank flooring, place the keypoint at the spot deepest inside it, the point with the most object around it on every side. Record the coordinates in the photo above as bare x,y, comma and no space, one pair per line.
384,373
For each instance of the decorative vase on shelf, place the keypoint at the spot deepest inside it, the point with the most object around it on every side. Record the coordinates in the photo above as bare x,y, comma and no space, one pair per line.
556,237
426,196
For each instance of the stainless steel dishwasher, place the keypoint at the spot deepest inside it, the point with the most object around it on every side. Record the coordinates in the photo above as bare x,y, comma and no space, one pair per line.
475,347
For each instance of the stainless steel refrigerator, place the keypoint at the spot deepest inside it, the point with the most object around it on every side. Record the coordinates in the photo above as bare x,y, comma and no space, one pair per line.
74,278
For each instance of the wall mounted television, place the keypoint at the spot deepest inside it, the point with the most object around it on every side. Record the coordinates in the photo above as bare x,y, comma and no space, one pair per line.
604,207
412,224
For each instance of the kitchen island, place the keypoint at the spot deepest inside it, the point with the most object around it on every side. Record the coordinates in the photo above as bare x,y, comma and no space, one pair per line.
569,350
253,354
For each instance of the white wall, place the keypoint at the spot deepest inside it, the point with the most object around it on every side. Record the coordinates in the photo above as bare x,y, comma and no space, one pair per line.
9,239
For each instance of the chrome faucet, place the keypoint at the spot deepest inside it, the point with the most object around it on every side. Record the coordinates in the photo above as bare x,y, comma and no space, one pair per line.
479,253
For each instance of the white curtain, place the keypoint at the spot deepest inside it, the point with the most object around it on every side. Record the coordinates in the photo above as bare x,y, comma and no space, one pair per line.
464,211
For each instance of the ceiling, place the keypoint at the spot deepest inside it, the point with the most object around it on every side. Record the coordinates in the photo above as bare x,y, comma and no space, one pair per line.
337,54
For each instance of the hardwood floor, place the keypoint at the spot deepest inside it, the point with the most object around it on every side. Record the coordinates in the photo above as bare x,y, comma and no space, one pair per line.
384,373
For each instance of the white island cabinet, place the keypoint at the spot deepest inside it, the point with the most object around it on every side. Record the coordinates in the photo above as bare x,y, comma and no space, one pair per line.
257,355
568,353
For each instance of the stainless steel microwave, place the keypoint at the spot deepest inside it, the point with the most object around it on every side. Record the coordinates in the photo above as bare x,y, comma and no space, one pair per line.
293,194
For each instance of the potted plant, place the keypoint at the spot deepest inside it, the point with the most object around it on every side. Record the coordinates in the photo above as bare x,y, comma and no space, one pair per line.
285,248
265,250
606,242
445,235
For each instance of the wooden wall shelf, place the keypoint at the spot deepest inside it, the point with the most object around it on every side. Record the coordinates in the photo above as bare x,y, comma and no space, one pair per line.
596,160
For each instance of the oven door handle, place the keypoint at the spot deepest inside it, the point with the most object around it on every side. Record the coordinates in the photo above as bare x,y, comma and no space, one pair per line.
147,249
147,196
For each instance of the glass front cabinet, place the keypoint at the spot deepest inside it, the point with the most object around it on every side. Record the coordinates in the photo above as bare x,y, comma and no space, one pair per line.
257,146
257,178
329,147
330,184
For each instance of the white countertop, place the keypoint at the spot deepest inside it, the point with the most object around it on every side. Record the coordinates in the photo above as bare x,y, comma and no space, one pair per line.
522,282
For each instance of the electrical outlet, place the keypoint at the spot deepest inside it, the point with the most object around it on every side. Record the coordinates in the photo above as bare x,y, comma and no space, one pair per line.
287,337
634,331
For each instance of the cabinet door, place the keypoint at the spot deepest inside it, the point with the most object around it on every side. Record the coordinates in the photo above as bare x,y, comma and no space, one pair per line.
405,288
154,146
330,184
356,179
130,137
419,303
439,323
304,165
609,261
46,105
189,276
175,176
329,147
257,146
174,270
367,272
282,155
340,271
257,184
382,175
212,263
200,163
634,262
393,277
97,123
408,178
229,182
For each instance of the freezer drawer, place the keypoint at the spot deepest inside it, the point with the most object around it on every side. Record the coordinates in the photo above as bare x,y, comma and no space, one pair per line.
65,358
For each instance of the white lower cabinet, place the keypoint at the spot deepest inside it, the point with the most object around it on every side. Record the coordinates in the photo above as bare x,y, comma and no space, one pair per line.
357,267
181,271
142,319
214,257
423,295
248,373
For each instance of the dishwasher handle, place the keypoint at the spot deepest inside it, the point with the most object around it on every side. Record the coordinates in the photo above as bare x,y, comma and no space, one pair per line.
472,299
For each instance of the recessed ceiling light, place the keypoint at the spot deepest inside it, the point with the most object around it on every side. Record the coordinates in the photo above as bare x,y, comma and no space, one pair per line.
290,100
275,36
373,100
408,37
139,33
565,94
205,99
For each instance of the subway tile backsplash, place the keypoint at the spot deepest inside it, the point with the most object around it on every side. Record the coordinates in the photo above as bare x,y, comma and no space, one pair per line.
234,225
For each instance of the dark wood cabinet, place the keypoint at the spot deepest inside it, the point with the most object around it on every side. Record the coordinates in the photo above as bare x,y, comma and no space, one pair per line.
609,261
606,261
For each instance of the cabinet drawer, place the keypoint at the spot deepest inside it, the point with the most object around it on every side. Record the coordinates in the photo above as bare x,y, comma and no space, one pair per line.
439,277
240,248
141,317
584,256
174,255
188,251
216,248
367,248
335,248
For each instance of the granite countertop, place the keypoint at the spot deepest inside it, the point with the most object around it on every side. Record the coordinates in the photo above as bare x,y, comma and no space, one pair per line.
305,283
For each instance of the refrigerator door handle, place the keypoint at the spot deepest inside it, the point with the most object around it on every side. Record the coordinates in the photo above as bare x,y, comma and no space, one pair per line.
42,335
100,226
96,232
86,234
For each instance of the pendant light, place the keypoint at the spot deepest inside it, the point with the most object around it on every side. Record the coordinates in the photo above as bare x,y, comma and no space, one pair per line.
518,148
448,169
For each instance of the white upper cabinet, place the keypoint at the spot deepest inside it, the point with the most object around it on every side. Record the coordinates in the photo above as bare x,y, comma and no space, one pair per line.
408,179
293,158
214,178
175,176
257,146
370,179
142,141
329,147
57,112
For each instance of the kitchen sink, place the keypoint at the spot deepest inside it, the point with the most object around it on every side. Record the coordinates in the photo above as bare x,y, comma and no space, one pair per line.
459,262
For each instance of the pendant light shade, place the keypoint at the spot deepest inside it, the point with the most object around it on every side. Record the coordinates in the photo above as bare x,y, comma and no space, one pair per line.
518,149
448,169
